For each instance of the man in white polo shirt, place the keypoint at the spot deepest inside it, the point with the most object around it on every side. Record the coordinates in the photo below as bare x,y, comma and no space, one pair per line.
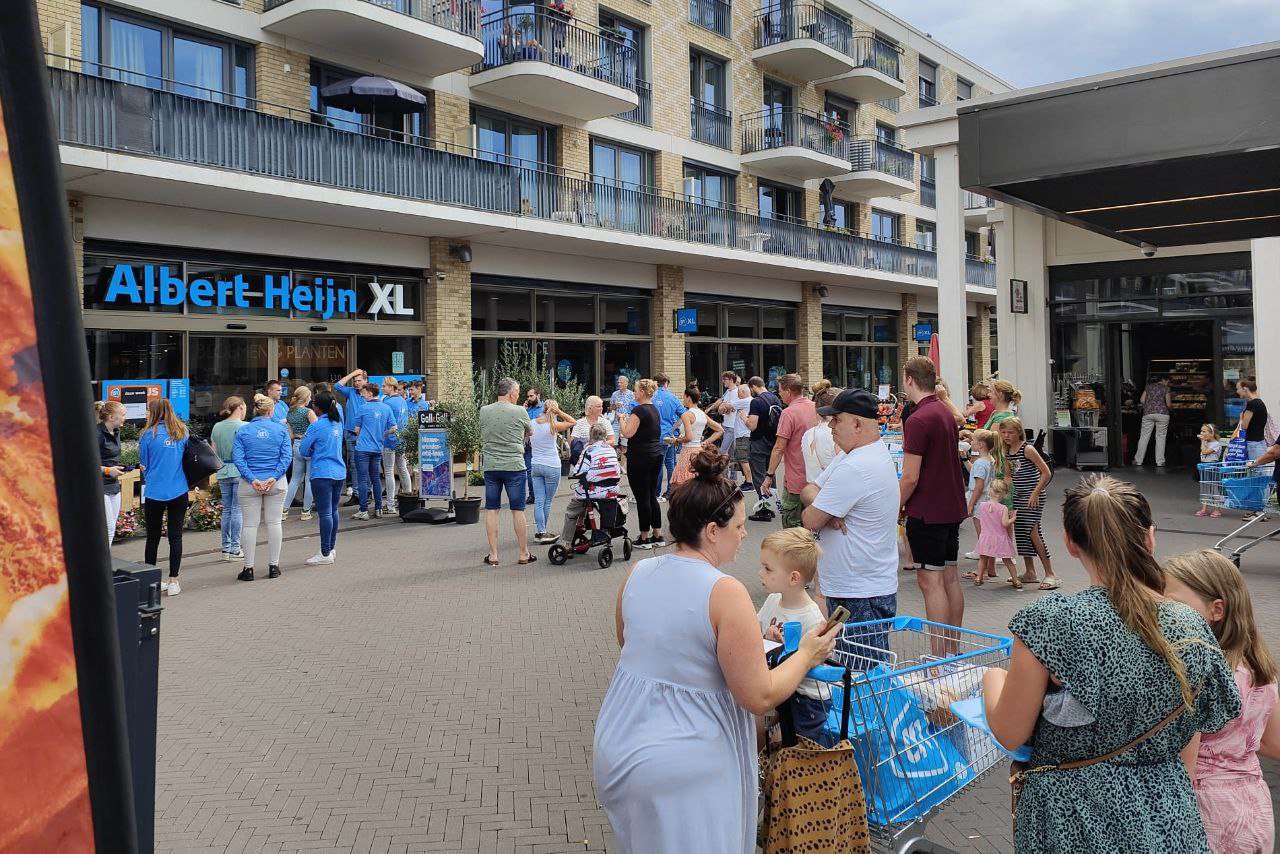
853,509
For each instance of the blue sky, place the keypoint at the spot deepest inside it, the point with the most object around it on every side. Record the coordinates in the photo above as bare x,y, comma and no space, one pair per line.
1029,42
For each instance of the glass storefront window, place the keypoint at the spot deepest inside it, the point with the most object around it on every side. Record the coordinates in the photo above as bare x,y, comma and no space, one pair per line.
884,329
410,291
133,356
858,367
741,321
887,366
572,360
778,323
855,328
704,366
830,327
779,359
99,270
741,359
565,313
708,321
223,365
311,360
376,353
500,311
255,276
622,357
624,316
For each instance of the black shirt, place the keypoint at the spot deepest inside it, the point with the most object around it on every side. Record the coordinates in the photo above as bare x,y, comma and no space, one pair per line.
1257,420
109,452
646,441
766,431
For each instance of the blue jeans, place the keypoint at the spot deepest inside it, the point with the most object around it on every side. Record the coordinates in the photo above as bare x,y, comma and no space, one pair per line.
668,466
232,520
514,482
367,463
545,480
297,477
1256,449
349,451
328,494
528,466
868,643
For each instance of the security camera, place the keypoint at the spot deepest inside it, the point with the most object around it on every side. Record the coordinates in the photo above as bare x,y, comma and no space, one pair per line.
1148,251
821,291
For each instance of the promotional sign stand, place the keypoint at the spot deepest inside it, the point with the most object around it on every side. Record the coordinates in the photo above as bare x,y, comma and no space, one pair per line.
435,467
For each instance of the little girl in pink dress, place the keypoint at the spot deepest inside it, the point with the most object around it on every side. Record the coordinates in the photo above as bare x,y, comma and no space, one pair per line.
995,540
1234,801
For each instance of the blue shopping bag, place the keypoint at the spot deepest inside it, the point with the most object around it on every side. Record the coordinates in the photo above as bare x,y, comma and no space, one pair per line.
907,765
1237,451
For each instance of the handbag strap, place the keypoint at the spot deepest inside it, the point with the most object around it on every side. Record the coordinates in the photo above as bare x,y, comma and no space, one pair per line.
1151,733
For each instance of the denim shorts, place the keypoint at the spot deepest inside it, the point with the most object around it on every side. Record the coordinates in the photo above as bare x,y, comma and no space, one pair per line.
514,482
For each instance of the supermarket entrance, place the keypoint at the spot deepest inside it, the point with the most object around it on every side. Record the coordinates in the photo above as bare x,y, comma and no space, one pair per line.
1183,351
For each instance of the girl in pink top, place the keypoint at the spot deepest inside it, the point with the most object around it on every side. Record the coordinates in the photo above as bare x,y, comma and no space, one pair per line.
1233,798
995,535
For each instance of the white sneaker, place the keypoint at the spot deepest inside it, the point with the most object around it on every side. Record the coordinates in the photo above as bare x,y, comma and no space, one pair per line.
284,517
318,559
970,555
662,499
362,516
173,588
306,516
164,586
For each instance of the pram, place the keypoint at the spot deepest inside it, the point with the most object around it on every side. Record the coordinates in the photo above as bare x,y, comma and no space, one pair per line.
605,520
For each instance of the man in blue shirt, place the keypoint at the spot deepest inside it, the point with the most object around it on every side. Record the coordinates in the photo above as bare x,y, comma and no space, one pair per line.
669,411
348,391
417,402
280,414
374,427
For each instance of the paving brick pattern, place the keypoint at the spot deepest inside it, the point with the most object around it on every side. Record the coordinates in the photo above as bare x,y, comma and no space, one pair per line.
409,699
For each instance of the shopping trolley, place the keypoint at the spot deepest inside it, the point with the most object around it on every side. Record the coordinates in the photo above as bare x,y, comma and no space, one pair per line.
914,754
1236,486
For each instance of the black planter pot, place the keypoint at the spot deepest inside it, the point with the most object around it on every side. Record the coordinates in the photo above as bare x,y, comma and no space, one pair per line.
406,503
466,511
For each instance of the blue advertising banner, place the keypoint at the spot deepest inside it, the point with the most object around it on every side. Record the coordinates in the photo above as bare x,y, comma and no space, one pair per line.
924,332
435,463
686,320
180,397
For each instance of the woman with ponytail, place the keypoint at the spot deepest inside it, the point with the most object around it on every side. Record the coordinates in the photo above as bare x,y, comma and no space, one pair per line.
1003,398
1111,689
675,749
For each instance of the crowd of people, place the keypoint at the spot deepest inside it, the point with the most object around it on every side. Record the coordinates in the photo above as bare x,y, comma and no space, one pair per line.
319,443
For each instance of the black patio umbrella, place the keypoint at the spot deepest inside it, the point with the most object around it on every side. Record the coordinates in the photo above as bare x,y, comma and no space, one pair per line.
825,191
373,95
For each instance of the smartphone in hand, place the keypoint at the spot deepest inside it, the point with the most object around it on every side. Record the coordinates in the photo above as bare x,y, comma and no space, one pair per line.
839,615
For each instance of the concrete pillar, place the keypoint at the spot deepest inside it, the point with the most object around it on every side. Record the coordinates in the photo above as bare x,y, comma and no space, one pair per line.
446,311
1266,304
809,333
668,345
953,331
1024,338
908,316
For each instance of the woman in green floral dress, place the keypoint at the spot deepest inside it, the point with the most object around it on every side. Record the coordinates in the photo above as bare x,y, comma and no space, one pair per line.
1091,673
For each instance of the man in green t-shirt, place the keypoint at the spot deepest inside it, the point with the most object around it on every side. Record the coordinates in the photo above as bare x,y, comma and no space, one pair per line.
504,426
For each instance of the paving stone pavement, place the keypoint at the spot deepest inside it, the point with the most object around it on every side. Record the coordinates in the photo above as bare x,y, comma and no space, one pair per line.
408,698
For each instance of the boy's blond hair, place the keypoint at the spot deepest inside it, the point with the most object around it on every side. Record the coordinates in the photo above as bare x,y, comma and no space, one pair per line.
798,548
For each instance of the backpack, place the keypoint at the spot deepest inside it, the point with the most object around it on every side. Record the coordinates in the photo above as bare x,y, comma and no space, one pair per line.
769,427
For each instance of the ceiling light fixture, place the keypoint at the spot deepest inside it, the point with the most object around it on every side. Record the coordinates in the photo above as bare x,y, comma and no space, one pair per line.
1194,224
1174,201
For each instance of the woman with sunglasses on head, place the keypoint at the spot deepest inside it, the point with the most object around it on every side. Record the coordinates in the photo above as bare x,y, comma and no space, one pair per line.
675,762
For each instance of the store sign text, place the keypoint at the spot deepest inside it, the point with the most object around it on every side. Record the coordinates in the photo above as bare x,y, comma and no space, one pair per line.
159,286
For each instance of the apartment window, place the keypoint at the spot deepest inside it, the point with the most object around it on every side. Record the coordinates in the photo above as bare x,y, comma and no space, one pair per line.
844,215
971,244
707,79
614,163
928,181
146,52
840,110
779,202
964,89
886,134
632,35
928,83
512,139
926,235
411,127
708,186
885,225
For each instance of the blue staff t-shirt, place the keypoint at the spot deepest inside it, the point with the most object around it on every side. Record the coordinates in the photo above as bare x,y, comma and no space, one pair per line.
374,422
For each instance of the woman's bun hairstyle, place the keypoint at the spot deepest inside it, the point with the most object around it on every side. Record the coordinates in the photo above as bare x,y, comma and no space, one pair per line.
709,464
263,405
819,387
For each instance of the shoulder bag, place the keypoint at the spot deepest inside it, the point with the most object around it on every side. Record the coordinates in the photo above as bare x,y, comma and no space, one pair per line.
199,460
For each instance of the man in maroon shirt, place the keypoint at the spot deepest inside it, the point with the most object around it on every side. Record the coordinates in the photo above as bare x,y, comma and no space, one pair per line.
932,493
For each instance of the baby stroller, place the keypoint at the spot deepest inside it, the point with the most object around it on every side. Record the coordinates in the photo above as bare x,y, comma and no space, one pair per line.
604,520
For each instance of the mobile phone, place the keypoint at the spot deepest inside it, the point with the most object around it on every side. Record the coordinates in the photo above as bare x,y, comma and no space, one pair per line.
839,615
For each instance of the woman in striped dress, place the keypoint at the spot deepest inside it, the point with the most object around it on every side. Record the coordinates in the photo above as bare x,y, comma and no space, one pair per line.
1029,475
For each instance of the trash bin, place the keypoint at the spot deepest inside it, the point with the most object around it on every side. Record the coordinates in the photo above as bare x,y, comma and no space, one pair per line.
137,591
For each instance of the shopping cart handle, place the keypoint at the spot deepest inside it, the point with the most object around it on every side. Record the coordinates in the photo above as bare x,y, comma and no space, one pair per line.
973,712
826,673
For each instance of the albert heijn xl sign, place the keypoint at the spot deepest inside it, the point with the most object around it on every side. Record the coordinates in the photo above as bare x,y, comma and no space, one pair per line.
318,296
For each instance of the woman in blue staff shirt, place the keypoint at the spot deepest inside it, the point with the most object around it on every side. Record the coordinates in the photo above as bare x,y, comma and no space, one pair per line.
322,445
262,452
394,463
375,424
160,449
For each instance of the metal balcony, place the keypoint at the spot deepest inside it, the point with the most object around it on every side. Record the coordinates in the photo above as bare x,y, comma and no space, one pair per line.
795,143
430,37
710,124
879,169
548,60
975,208
979,272
713,15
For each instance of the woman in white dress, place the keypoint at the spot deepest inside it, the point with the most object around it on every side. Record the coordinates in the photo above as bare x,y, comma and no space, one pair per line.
817,445
675,748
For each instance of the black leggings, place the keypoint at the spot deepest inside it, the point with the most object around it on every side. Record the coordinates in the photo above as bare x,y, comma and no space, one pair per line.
154,512
642,474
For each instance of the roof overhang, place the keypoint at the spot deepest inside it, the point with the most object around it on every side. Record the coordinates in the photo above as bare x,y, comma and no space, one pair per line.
1179,153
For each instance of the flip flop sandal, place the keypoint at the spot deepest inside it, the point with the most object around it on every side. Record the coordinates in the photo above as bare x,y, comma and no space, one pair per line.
488,562
1051,583
970,576
1017,585
529,559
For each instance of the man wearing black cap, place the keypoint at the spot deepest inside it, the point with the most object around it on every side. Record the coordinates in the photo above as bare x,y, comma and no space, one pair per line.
853,509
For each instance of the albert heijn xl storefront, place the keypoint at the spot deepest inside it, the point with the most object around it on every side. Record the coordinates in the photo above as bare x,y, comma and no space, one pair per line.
228,322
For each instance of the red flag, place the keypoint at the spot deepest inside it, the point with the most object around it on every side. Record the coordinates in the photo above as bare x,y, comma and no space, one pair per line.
933,352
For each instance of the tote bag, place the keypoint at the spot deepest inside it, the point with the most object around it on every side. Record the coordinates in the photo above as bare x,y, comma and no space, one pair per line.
199,460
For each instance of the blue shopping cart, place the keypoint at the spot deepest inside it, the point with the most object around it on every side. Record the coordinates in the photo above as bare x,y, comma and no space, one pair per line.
1236,486
914,753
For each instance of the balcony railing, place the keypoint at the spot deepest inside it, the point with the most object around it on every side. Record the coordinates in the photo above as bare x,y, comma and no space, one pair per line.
776,128
872,154
974,201
927,101
928,193
544,35
979,272
643,113
710,124
714,15
460,16
97,112
786,21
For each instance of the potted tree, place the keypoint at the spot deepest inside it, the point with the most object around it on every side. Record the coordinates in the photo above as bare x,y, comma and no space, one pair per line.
459,400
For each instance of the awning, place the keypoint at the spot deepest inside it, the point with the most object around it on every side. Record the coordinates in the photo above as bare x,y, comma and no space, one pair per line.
1178,153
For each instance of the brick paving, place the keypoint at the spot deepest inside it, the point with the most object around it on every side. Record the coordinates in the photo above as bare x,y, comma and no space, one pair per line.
410,699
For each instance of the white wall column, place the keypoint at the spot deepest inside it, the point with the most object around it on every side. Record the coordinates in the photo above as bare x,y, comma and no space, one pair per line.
953,328
1266,307
1024,338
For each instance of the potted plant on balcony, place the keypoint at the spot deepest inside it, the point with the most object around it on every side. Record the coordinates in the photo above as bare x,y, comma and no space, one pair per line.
833,132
